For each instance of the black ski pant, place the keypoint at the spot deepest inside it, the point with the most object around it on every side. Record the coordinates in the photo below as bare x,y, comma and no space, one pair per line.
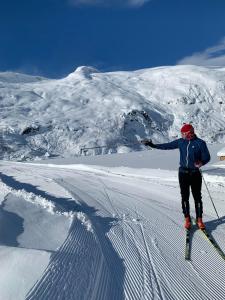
193,180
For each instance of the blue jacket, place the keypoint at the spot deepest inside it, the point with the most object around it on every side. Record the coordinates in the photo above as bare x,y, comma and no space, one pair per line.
191,151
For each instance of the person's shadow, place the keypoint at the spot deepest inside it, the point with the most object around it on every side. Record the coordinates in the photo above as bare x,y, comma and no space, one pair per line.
212,225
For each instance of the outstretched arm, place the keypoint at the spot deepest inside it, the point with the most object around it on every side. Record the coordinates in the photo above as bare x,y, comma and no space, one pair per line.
166,146
148,142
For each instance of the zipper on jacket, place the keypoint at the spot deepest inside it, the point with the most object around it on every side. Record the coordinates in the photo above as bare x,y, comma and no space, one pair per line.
187,153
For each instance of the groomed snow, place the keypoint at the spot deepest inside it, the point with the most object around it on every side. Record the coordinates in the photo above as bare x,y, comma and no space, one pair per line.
107,228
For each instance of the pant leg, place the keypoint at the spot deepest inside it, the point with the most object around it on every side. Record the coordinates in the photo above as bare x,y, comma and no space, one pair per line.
196,186
184,182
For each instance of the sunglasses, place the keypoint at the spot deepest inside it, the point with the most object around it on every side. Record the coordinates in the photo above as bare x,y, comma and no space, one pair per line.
187,134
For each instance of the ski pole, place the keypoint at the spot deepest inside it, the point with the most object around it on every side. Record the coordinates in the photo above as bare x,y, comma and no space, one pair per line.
210,195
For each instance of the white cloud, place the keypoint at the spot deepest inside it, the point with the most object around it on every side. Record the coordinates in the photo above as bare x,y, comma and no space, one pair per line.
213,56
127,3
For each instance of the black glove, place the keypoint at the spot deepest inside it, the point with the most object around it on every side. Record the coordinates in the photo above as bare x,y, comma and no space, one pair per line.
147,142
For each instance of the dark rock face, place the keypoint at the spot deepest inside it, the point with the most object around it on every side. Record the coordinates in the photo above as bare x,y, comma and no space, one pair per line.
30,129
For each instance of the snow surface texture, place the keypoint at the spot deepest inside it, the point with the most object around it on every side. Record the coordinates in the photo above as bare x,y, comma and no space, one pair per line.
41,117
76,231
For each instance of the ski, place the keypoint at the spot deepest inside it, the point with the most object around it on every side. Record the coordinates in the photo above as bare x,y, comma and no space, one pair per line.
187,245
213,242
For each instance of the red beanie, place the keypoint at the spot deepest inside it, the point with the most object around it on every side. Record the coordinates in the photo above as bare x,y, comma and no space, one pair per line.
187,128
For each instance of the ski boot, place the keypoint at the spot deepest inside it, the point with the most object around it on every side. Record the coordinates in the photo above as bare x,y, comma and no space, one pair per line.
187,223
200,223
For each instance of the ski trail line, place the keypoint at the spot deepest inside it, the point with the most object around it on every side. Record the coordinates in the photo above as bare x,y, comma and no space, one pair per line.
77,271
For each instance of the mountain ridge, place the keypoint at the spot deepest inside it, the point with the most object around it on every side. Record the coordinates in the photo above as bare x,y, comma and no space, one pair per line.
59,117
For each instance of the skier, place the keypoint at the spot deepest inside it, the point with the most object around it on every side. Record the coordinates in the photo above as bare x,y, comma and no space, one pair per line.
193,155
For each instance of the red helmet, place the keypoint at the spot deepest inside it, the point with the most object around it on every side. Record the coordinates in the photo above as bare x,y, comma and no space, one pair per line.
187,131
187,128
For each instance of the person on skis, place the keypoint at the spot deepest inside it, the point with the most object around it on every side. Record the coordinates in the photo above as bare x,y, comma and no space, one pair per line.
193,155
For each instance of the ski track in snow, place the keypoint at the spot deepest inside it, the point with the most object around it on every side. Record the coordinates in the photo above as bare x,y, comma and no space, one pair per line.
132,247
78,269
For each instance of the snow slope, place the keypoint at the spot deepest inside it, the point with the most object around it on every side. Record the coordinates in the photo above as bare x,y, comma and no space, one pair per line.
76,231
42,117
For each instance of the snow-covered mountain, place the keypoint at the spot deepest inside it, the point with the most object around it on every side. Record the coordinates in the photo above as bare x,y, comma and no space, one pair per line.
45,117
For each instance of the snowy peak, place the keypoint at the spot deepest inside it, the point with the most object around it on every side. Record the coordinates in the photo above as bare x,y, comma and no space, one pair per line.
84,72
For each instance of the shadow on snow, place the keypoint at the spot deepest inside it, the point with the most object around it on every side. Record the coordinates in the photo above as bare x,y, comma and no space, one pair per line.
11,226
80,248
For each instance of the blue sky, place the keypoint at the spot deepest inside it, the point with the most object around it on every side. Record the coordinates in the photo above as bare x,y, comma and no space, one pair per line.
53,37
